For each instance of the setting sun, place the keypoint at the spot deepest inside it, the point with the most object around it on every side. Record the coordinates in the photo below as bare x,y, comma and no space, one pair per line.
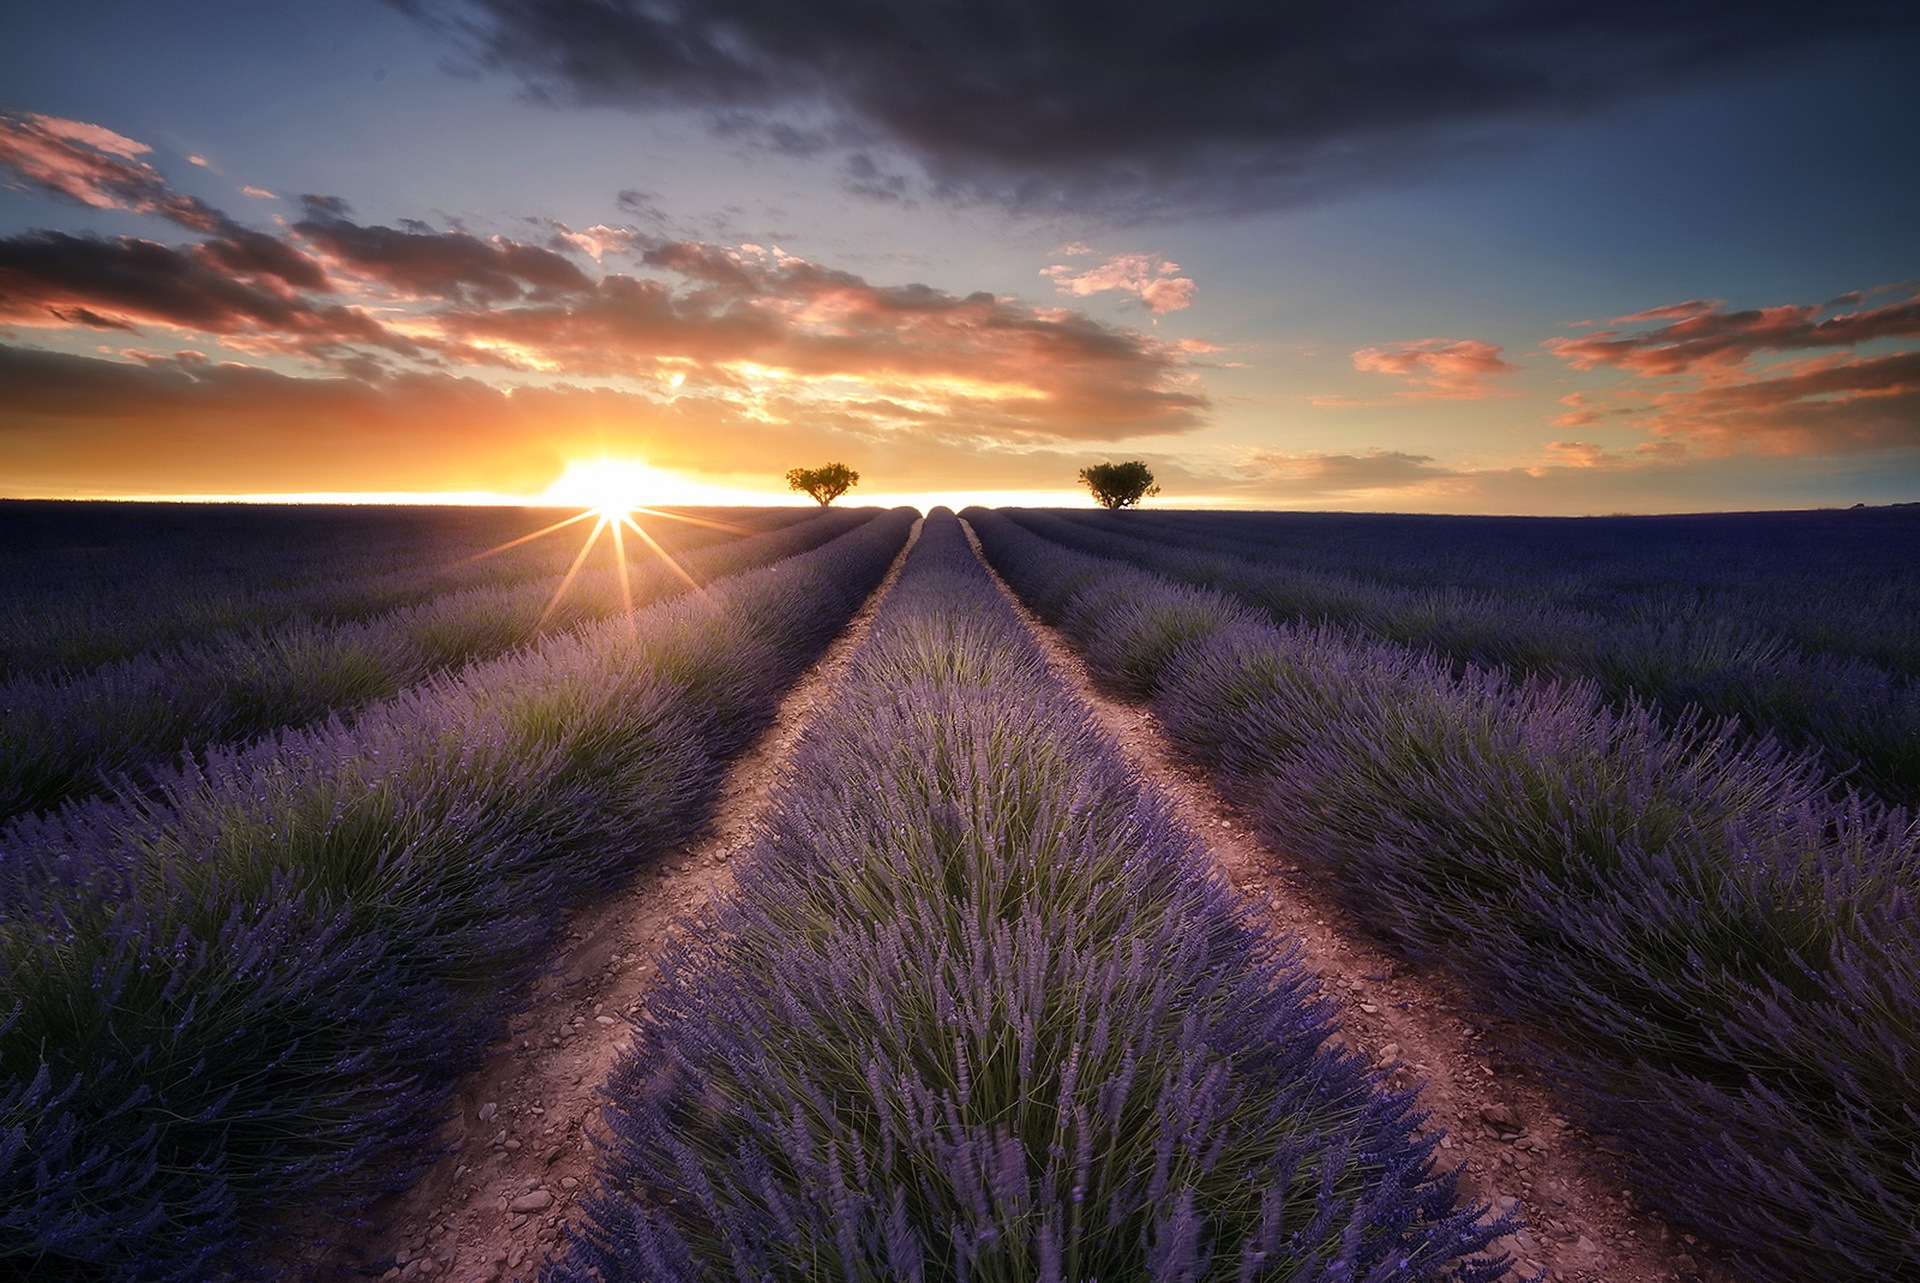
614,486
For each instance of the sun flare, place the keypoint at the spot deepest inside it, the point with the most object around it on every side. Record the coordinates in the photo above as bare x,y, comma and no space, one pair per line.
614,493
612,486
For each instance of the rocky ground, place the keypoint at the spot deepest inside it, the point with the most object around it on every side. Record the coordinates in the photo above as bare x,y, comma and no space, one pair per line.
521,1147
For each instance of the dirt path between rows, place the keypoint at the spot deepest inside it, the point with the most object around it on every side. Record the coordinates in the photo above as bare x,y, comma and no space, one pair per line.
519,1148
1501,1121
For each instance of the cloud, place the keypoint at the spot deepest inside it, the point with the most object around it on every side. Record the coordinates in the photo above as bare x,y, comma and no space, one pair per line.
1846,406
597,241
1138,110
184,424
436,265
1705,339
409,356
1346,476
1672,311
245,285
1443,369
91,165
770,325
1149,277
1696,388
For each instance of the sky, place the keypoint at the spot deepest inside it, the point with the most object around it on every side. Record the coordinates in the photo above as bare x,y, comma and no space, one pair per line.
1478,256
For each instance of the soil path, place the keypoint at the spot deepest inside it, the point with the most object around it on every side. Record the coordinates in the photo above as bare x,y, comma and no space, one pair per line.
519,1147
1501,1122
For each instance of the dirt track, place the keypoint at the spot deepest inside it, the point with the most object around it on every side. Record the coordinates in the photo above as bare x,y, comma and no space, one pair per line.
520,1147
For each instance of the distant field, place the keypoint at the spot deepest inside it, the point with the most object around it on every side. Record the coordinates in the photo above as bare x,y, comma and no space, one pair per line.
294,800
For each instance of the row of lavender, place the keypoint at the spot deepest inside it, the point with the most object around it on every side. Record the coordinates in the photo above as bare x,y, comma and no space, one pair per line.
252,990
70,737
1837,581
89,583
1863,717
979,1010
1722,963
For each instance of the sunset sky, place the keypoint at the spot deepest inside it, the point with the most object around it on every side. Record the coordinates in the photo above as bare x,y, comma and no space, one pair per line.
1522,256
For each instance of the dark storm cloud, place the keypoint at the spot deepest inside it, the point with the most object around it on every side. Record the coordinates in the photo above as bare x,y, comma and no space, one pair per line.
1132,107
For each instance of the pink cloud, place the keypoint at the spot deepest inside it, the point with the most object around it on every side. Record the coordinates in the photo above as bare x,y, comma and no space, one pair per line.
1447,369
97,137
94,166
258,193
597,241
1148,276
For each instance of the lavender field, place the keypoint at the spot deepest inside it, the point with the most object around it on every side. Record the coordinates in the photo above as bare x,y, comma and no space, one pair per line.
294,807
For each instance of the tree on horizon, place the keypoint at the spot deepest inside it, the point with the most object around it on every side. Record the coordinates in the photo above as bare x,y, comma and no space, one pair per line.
824,484
1119,485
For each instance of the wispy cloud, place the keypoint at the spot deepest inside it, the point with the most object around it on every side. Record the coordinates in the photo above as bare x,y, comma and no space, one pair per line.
1441,368
1340,476
94,166
1704,339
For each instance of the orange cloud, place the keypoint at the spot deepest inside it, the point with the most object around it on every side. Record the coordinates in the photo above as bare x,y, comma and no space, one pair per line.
183,423
443,359
1448,369
1840,406
766,331
1711,400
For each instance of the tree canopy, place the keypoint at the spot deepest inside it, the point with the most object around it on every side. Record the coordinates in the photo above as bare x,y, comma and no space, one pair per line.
1119,485
825,483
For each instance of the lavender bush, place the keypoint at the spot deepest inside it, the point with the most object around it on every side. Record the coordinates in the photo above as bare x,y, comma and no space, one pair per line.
88,583
1664,644
979,1011
1721,962
1825,582
250,989
68,738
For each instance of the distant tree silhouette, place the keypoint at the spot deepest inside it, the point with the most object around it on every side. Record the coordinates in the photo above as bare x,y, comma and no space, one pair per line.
1119,485
825,484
